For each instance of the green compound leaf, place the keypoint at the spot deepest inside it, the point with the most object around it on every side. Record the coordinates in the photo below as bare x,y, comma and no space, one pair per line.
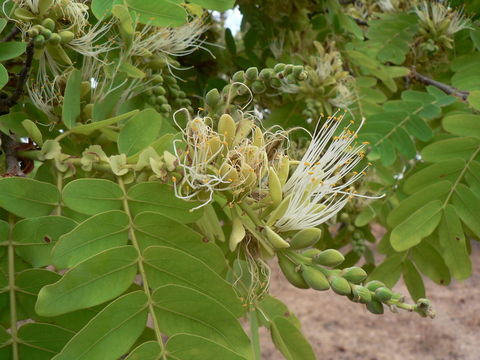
98,233
290,341
41,341
37,236
413,280
12,49
165,265
160,198
430,263
155,229
188,346
149,350
159,13
181,309
453,243
92,196
111,333
71,100
391,36
417,226
27,197
92,282
139,132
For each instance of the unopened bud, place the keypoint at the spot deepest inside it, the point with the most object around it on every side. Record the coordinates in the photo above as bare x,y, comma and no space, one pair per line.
383,294
311,253
340,285
284,169
227,127
375,307
237,234
329,257
361,294
354,274
266,74
66,36
275,240
55,39
258,87
290,272
39,41
315,278
274,186
251,74
374,285
49,24
239,76
170,160
279,68
212,98
305,238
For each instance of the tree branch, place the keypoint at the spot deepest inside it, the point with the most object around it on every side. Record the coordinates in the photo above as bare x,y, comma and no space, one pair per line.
11,34
448,89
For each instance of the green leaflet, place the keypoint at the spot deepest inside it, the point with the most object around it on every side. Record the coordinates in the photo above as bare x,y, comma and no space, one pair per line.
159,13
467,206
149,350
155,229
453,243
219,5
272,307
430,263
413,280
37,236
12,49
449,149
92,196
166,265
100,232
71,99
89,128
417,226
27,197
111,333
445,170
160,198
189,346
94,281
436,191
290,341
3,76
389,271
181,309
139,132
40,341
462,124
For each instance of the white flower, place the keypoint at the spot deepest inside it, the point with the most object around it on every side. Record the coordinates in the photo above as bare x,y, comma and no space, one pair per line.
437,13
318,188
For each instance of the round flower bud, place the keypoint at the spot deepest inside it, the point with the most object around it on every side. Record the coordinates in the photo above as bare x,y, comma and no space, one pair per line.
157,79
291,274
161,100
329,257
212,98
354,274
55,39
49,24
297,70
266,74
383,294
361,294
291,79
239,76
278,68
375,307
251,74
275,83
374,285
340,285
165,108
288,69
66,36
310,253
315,278
305,238
39,41
258,87
159,90
46,33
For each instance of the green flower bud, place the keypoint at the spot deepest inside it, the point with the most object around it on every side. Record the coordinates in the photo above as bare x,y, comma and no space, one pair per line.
84,89
46,33
279,211
33,31
170,80
302,76
275,240
55,39
361,294
329,257
383,294
291,79
315,278
374,285
345,217
288,69
305,238
258,87
239,76
227,127
311,253
212,98
157,79
266,74
237,234
87,111
49,24
375,307
291,274
340,285
274,186
66,36
275,83
165,108
161,100
354,274
39,41
251,74
159,90
181,94
297,70
278,68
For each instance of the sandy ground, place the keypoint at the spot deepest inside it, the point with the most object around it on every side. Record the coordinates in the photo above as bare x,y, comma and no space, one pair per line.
341,330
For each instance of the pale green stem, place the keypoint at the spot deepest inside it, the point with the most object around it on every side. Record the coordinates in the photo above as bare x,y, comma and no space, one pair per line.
254,334
11,287
58,210
141,269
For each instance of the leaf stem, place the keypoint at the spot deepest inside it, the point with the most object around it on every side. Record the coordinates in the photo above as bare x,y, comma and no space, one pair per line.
11,287
141,269
254,334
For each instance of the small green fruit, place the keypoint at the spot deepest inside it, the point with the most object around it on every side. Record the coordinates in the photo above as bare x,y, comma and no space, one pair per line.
266,74
157,79
46,33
